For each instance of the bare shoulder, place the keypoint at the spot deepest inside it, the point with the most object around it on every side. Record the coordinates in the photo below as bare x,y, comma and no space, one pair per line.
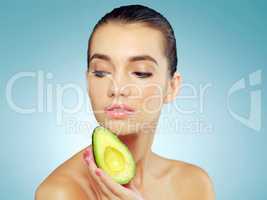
187,181
68,181
59,188
193,181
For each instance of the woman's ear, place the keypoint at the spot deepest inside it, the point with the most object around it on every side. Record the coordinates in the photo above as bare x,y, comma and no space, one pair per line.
173,88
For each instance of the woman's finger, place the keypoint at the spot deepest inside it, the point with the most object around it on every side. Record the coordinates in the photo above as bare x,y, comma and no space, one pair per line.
88,157
116,188
108,186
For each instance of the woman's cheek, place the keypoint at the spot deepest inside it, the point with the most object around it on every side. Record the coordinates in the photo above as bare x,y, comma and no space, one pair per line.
152,99
96,98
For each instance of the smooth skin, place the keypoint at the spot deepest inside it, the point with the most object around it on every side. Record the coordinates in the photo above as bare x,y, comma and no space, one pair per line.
128,66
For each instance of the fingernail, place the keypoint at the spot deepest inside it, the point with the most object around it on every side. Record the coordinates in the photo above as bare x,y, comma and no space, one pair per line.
87,160
87,154
98,172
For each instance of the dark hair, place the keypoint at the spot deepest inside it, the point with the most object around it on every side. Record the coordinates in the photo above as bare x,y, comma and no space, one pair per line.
148,16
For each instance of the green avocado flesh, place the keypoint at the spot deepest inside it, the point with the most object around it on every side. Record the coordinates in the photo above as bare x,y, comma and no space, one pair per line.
112,156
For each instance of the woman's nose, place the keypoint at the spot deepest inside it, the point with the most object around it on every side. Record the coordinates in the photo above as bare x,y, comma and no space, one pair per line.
116,91
118,88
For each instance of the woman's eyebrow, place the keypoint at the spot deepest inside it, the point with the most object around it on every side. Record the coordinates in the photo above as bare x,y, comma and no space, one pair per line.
131,59
100,56
143,57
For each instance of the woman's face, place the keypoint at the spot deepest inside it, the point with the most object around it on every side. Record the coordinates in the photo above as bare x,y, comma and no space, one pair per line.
128,66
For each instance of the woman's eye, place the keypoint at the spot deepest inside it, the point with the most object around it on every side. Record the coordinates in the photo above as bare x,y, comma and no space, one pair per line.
100,74
143,74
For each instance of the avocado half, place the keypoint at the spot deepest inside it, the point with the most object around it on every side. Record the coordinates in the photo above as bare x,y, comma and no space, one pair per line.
112,155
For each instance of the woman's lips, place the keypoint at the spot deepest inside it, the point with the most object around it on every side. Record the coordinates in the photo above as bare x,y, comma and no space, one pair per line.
119,111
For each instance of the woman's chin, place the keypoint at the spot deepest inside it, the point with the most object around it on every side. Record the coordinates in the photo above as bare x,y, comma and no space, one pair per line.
121,127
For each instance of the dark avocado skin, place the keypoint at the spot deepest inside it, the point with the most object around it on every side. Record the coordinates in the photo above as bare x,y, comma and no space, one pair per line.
93,146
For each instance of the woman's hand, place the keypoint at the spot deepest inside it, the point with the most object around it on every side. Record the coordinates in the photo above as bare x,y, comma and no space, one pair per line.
108,188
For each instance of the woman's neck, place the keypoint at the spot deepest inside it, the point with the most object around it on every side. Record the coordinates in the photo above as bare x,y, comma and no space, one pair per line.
139,145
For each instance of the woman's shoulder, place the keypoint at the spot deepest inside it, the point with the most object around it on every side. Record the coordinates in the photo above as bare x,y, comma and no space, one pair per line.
67,181
189,180
195,180
59,187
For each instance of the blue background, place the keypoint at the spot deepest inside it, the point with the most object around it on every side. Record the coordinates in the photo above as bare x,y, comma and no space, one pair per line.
218,44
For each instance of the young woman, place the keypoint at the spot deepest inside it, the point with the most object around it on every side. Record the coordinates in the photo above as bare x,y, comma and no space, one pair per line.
131,71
